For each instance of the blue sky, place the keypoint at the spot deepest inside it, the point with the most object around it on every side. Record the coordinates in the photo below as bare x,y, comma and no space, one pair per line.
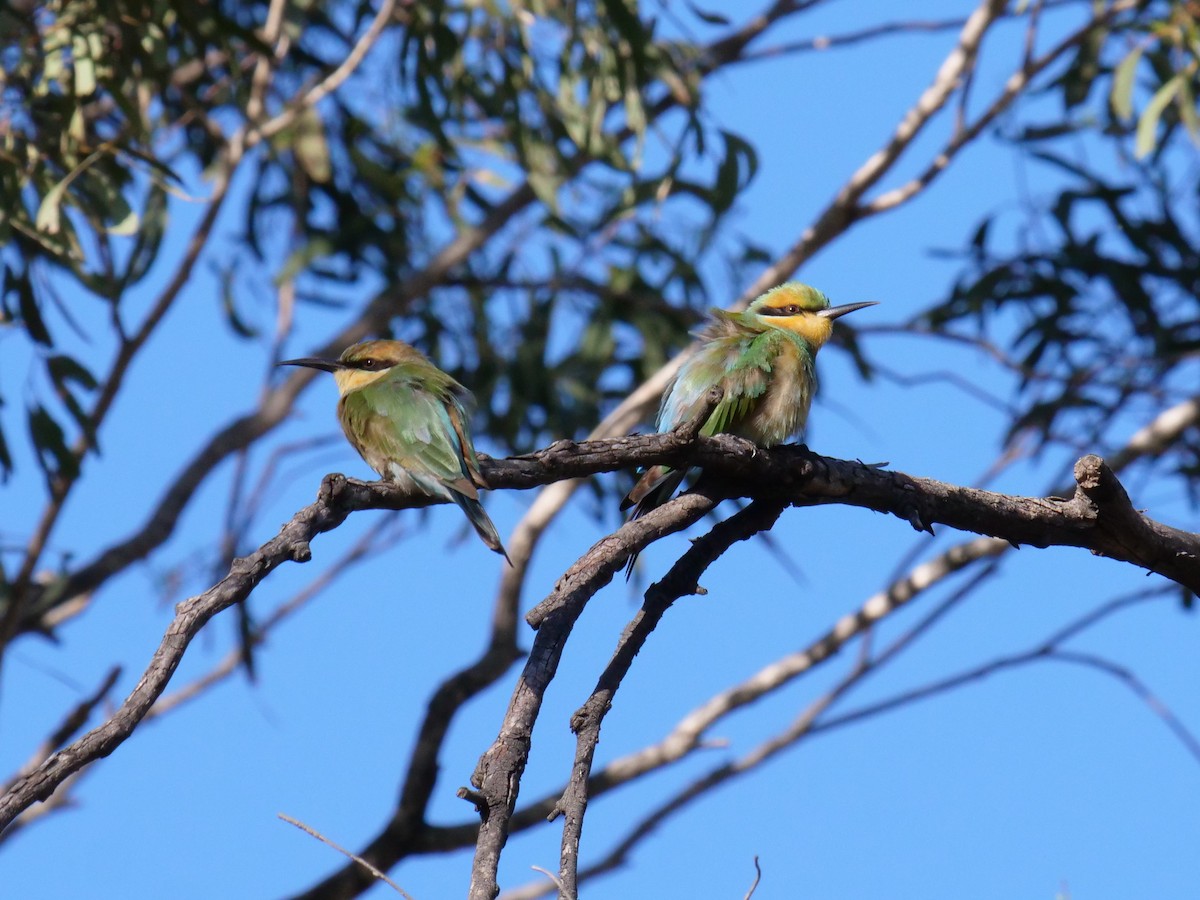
1046,781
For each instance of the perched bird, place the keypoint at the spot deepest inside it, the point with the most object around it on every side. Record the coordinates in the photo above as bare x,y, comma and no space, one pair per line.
409,420
762,359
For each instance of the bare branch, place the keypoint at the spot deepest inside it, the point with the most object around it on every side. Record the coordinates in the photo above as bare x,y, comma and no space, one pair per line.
1099,517
370,542
1047,649
375,873
681,580
1129,679
1016,85
311,97
497,776
757,879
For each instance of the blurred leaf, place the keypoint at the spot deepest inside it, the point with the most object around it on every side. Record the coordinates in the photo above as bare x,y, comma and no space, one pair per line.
229,305
84,65
49,214
545,188
1147,127
1077,82
113,215
31,316
50,446
303,257
710,18
1186,105
66,370
737,170
6,460
979,238
1124,77
311,148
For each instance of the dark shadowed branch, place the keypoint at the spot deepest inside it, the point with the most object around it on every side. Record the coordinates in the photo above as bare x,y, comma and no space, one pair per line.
1099,517
820,716
846,208
682,580
497,777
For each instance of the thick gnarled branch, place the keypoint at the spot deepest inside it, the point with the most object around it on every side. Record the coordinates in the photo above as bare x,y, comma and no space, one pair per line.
498,775
680,581
1099,517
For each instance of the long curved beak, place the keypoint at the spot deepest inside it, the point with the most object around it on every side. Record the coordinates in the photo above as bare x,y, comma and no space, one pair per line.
314,362
834,311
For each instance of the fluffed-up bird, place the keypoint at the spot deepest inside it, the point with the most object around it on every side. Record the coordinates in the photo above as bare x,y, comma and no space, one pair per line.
410,421
763,360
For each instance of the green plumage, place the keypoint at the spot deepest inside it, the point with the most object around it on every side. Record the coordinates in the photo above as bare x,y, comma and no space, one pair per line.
764,362
410,421
766,375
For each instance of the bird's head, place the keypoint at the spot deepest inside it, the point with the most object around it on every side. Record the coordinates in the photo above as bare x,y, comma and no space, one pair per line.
802,310
361,364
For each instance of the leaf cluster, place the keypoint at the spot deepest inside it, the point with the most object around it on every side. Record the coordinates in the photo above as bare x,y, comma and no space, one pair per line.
1096,307
119,104
1093,296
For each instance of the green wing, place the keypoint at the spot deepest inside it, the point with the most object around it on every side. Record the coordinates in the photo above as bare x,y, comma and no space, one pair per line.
740,365
415,418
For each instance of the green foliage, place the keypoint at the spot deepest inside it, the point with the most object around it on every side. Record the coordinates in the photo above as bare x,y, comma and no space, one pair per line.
582,102
1100,310
91,88
1093,299
1168,50
550,336
457,106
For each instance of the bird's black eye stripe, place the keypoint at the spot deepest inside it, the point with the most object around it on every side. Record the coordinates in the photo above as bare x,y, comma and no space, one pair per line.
790,310
369,365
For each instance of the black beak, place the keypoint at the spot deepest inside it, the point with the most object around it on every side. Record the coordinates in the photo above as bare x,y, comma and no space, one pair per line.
834,311
315,362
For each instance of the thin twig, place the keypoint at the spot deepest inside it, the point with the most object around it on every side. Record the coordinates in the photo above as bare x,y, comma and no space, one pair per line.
381,876
366,547
757,879
1016,84
1042,650
335,79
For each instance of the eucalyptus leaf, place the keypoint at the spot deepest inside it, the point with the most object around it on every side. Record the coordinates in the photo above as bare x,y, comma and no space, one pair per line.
1147,127
1123,82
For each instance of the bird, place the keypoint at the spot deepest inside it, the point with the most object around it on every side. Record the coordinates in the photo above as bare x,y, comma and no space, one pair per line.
410,422
763,362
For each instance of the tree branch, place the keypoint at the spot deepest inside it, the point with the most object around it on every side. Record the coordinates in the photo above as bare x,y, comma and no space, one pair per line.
841,212
680,581
497,776
809,723
1099,517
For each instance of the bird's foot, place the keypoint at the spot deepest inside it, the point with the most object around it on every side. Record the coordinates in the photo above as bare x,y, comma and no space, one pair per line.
878,465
